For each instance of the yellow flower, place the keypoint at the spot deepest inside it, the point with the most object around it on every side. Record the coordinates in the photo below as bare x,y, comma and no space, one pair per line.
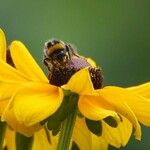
32,99
14,79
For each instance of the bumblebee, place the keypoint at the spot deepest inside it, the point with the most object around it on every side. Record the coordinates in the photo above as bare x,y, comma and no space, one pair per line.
57,53
62,61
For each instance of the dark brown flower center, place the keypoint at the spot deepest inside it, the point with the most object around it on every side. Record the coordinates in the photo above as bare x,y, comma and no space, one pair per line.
61,74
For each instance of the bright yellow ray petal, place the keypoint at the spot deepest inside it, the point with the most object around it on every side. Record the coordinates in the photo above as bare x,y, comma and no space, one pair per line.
118,99
138,103
99,143
2,46
41,142
3,105
6,92
10,74
25,63
10,139
143,89
80,83
17,126
91,62
35,102
117,136
93,108
81,135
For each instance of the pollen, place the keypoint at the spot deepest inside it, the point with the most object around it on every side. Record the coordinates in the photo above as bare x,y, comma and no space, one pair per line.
96,77
61,75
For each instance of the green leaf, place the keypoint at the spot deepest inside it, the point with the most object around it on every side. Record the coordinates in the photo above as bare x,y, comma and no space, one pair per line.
23,142
2,133
94,126
111,121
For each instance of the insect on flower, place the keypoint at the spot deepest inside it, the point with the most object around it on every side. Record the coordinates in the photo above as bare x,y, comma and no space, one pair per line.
29,101
63,61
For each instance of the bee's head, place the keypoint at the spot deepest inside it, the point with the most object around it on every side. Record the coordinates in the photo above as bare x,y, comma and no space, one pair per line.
56,50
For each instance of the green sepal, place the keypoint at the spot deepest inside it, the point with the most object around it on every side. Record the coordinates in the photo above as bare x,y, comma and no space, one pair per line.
67,107
94,126
23,142
111,121
2,133
53,124
56,130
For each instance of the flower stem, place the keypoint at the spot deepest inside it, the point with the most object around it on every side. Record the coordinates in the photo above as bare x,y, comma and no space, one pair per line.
66,131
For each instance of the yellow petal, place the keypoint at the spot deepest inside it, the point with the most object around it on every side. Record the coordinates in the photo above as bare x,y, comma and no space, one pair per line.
143,89
80,83
41,142
93,108
10,139
35,102
10,74
2,46
99,143
6,92
139,104
25,63
118,99
91,62
81,135
17,126
3,105
118,136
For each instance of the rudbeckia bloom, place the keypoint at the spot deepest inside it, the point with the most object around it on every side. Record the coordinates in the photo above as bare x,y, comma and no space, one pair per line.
108,114
9,87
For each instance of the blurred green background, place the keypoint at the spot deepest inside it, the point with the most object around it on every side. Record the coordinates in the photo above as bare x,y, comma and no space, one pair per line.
115,33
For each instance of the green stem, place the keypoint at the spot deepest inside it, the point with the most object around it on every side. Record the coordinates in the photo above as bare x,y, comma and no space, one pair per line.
66,131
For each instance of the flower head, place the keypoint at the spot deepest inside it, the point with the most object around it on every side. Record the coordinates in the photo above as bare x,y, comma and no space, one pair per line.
108,113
